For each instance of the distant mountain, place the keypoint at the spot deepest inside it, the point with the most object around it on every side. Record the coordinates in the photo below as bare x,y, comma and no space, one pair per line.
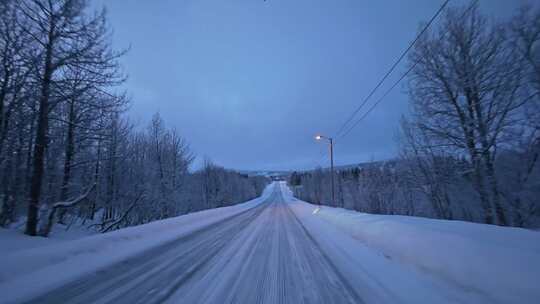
265,173
378,163
277,173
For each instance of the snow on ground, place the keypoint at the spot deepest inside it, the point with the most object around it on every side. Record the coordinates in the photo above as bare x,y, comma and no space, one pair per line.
14,239
40,267
383,259
501,263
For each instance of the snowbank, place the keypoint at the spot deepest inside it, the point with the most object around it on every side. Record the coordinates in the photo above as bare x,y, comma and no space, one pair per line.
500,262
37,267
14,239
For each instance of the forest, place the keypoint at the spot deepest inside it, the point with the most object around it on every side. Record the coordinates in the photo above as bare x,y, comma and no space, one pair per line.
68,150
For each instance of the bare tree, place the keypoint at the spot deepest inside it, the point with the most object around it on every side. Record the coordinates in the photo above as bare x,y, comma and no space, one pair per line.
464,88
64,39
14,79
62,129
470,148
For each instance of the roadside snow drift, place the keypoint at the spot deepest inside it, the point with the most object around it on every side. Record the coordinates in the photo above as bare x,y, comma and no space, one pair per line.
500,262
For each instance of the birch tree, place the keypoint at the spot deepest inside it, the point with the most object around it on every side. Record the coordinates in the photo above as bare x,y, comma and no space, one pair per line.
463,89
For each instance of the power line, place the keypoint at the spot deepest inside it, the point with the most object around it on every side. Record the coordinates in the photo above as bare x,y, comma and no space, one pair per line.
473,4
379,100
392,68
343,127
351,117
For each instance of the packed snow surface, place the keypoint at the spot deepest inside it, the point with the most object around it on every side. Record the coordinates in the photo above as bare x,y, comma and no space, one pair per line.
276,249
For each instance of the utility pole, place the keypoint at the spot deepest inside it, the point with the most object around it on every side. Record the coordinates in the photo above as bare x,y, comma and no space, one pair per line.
332,170
331,141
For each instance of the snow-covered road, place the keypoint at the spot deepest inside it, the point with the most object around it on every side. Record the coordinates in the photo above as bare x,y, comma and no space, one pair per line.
261,255
274,251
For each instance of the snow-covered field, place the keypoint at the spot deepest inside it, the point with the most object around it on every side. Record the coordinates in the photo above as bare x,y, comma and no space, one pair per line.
277,248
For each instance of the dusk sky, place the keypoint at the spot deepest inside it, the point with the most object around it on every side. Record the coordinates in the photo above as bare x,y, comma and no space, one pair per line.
249,83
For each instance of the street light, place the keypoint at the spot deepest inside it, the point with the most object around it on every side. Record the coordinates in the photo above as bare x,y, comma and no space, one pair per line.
331,141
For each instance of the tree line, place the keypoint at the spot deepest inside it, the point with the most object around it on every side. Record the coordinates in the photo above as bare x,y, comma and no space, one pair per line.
67,151
470,144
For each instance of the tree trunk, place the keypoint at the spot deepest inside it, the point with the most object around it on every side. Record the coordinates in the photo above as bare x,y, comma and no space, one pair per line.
3,93
492,178
7,174
96,181
40,145
478,182
487,157
69,152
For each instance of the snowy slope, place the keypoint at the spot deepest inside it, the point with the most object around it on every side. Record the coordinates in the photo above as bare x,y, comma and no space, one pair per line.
500,262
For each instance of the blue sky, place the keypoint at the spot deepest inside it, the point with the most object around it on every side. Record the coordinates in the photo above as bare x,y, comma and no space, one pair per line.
249,82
